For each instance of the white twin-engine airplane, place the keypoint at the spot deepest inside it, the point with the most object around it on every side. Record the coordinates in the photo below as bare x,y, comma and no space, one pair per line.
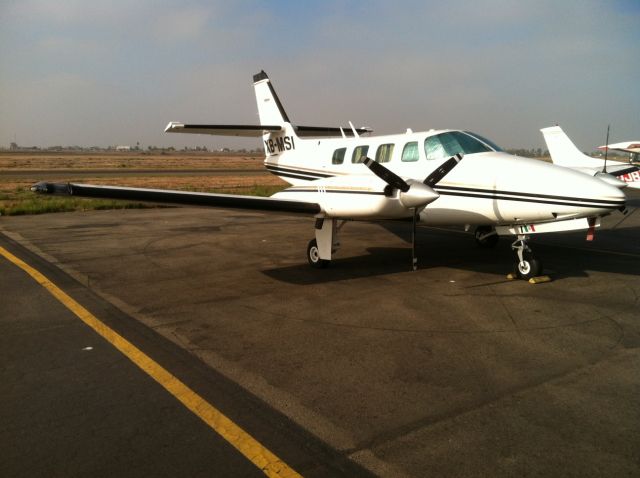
339,176
618,173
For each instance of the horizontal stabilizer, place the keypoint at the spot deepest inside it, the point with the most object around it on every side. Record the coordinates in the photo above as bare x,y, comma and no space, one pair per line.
259,130
168,196
223,129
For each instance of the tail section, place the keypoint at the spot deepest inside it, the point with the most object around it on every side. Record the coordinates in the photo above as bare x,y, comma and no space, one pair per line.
271,113
270,109
562,150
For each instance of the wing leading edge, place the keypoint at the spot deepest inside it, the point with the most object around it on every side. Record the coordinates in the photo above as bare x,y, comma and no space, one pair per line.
168,196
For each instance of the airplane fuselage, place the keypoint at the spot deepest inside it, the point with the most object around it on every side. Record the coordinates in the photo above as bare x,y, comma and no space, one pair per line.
489,187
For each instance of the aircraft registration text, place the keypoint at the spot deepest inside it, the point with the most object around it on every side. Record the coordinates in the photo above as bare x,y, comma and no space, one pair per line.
279,144
631,177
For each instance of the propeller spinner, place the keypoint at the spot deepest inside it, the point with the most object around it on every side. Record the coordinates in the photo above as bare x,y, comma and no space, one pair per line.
413,194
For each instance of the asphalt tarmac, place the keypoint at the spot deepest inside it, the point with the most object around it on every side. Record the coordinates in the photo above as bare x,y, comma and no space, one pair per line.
451,370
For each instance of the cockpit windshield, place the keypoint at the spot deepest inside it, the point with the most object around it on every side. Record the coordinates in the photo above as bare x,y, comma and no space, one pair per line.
445,145
493,145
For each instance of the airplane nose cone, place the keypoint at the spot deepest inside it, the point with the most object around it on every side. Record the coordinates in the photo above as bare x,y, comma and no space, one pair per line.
611,179
605,196
558,192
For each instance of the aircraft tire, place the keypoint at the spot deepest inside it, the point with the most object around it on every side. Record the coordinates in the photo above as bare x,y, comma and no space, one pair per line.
313,256
528,268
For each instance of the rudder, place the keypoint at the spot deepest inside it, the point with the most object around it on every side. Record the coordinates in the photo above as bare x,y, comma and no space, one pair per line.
270,109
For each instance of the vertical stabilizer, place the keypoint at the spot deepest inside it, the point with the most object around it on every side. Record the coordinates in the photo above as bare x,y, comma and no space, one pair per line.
562,150
270,108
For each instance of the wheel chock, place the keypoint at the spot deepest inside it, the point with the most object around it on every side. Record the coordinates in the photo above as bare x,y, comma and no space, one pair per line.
539,279
533,280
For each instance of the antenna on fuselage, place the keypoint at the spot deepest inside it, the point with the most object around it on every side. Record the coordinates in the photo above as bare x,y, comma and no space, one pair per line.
342,132
606,150
355,133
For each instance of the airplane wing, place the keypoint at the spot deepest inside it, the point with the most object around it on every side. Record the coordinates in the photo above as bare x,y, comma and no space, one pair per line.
222,129
629,147
168,196
259,130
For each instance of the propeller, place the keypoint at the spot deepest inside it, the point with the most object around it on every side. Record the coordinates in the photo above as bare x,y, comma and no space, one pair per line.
388,176
436,176
413,194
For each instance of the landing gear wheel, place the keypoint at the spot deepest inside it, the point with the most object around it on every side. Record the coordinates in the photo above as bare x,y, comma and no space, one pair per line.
486,242
313,256
529,267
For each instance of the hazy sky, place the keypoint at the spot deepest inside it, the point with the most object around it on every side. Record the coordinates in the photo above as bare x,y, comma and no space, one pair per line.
116,72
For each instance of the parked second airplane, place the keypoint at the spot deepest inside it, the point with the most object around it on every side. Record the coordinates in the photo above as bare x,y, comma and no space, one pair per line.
564,153
338,175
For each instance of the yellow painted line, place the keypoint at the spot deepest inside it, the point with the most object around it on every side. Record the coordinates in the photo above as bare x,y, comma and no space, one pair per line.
253,450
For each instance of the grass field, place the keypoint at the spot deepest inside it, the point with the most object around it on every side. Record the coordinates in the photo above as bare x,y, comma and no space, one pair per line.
16,197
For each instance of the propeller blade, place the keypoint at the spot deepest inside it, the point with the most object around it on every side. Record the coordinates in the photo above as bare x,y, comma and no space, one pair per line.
436,176
386,175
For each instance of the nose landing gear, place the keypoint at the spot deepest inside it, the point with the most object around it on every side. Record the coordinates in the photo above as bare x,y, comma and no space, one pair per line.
527,266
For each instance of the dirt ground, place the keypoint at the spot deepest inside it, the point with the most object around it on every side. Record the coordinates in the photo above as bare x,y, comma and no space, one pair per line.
130,159
195,171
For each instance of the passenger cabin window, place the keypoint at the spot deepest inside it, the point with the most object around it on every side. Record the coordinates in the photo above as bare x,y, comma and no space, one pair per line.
410,152
359,153
338,156
445,145
384,153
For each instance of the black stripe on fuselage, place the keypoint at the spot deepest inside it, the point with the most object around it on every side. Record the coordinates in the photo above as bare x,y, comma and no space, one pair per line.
294,176
497,192
280,171
531,198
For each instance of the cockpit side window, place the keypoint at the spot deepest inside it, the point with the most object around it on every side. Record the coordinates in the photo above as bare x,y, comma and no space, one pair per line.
338,156
445,145
358,153
410,152
433,148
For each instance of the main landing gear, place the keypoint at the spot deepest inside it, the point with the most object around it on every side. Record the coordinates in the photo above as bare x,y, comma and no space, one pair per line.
527,265
320,249
313,255
486,237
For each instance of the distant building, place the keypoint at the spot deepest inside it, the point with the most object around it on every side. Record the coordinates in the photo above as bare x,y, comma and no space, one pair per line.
123,148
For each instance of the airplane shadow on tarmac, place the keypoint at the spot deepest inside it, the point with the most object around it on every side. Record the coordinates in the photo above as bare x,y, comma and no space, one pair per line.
563,256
